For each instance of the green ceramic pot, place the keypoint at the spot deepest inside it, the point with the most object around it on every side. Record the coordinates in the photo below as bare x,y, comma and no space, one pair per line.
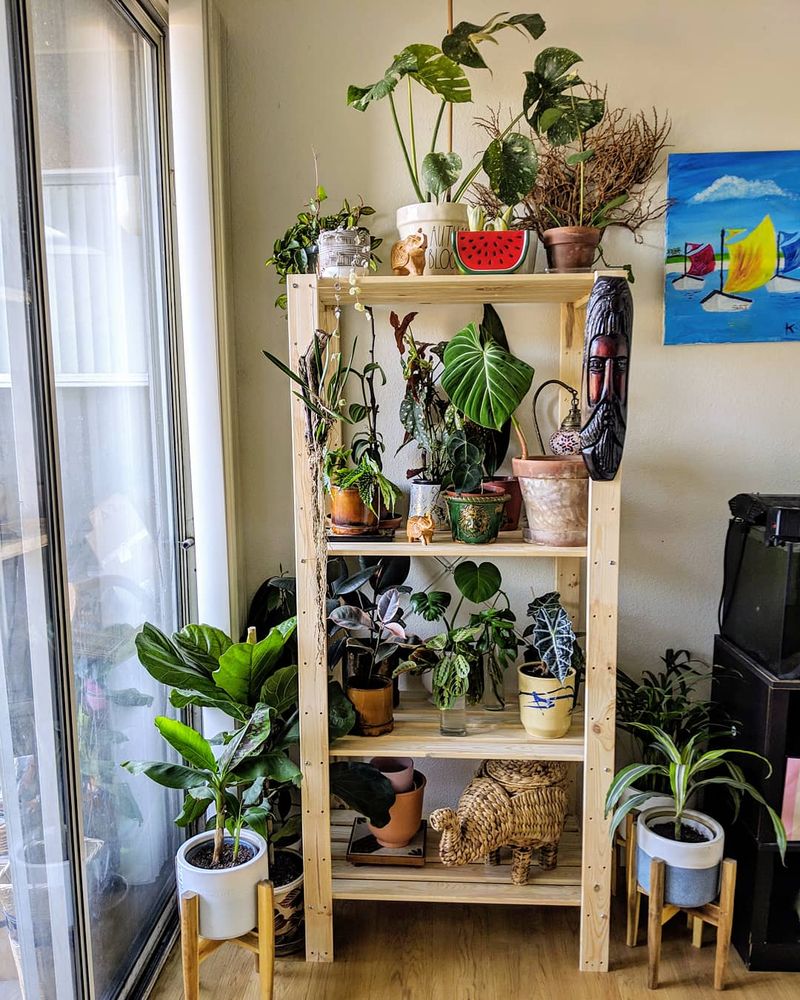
476,518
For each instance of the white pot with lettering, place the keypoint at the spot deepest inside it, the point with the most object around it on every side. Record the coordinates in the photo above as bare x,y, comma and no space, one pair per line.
436,223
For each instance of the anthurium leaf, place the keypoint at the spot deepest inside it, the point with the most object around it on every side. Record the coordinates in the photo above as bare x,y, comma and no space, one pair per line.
431,605
244,666
193,747
511,163
483,380
279,691
363,788
477,583
440,171
169,775
341,714
203,645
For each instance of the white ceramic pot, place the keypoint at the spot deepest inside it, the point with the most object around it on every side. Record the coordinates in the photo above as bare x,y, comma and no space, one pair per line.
426,499
437,223
227,895
342,251
655,800
545,704
692,870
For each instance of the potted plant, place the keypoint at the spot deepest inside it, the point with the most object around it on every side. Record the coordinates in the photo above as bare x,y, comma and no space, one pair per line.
422,414
376,633
490,245
205,668
405,815
359,493
509,161
349,247
454,656
691,843
548,677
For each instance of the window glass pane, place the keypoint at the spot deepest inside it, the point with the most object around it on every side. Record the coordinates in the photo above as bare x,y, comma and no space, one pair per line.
100,157
37,914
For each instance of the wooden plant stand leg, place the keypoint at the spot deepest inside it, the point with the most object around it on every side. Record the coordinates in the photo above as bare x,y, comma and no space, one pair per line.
696,927
654,921
266,939
190,944
725,921
633,895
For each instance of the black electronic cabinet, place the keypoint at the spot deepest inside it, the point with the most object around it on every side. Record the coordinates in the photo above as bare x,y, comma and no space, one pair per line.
766,711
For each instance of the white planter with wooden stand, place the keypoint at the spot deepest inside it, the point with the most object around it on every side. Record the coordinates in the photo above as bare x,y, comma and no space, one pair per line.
227,895
692,869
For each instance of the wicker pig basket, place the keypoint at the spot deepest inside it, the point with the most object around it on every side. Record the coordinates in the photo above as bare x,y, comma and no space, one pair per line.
520,804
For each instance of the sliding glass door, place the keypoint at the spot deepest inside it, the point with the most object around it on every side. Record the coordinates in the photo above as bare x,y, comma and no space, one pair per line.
103,841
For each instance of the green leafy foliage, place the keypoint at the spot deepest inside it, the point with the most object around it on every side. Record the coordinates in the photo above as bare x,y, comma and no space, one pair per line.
428,66
511,163
686,769
440,171
363,788
244,667
478,583
466,462
431,605
461,44
549,102
554,637
483,380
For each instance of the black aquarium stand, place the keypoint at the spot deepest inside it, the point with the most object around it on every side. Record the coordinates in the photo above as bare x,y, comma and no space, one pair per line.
766,712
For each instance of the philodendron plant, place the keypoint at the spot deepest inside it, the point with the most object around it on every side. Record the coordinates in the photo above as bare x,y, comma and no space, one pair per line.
205,668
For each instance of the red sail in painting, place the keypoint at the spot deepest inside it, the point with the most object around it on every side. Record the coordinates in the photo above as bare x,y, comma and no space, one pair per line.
701,259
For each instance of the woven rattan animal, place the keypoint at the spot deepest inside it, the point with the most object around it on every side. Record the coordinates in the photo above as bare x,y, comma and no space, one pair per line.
509,803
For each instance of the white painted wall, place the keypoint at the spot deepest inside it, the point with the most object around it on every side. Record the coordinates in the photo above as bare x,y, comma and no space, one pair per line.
705,421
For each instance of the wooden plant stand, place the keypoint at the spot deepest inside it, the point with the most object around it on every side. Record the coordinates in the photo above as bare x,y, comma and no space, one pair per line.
194,948
719,914
586,577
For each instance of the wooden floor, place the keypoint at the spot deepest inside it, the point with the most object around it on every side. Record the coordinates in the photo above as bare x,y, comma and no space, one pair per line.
431,951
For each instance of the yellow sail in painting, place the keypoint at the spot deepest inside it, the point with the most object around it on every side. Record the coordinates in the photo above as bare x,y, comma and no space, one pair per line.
751,261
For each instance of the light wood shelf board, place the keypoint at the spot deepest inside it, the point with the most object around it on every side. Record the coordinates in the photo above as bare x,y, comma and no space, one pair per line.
382,290
508,545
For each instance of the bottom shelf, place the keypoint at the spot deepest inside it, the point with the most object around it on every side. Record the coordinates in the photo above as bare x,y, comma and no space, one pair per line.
473,883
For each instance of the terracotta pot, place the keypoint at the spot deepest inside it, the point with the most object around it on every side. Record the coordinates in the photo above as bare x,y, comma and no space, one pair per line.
555,489
509,485
405,816
399,772
571,248
372,700
349,512
545,704
475,518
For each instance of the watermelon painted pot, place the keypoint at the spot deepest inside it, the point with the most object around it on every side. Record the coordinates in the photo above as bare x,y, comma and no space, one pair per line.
494,251
436,223
476,518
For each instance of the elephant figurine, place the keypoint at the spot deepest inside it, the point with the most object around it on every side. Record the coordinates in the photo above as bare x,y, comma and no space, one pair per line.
408,255
520,804
420,527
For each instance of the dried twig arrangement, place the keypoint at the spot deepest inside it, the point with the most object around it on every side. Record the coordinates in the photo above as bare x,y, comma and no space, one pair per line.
627,150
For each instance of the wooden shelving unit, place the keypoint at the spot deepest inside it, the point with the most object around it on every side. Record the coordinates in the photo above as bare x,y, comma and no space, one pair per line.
583,875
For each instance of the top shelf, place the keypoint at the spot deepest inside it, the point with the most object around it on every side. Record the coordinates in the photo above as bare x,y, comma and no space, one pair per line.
382,290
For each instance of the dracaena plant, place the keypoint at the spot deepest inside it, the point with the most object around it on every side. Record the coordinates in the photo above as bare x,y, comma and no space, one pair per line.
686,770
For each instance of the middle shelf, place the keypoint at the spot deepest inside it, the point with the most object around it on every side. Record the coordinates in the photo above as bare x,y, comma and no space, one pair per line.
508,545
498,735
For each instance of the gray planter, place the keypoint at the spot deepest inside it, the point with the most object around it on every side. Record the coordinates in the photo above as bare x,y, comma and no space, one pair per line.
692,870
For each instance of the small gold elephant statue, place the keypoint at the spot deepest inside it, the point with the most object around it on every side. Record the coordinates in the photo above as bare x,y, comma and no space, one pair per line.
420,527
408,255
519,804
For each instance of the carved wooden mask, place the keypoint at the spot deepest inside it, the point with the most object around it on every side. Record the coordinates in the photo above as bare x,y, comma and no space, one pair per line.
609,325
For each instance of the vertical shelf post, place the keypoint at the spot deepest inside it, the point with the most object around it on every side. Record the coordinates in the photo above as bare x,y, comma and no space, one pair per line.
304,319
602,573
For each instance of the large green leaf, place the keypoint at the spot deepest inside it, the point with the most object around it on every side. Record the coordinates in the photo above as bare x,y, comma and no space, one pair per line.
215,699
431,604
280,690
477,583
424,63
511,164
165,662
483,380
193,747
169,775
440,171
245,666
341,714
549,101
203,645
554,639
247,741
364,789
195,804
461,44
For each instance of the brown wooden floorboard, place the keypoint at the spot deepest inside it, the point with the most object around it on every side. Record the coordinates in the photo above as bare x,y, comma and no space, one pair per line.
432,951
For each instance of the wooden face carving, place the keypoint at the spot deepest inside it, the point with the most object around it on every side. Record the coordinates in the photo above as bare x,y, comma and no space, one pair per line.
609,324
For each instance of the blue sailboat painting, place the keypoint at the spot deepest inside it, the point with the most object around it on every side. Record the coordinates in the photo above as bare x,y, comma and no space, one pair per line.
732,248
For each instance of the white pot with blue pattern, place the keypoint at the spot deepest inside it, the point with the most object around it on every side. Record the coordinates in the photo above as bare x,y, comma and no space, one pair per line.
692,869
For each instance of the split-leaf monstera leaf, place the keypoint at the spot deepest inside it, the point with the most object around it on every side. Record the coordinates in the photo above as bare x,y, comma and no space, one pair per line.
549,102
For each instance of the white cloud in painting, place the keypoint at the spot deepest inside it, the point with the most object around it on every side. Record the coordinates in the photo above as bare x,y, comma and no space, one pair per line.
731,186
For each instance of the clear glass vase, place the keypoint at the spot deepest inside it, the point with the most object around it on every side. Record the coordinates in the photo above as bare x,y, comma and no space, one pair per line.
494,698
453,721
